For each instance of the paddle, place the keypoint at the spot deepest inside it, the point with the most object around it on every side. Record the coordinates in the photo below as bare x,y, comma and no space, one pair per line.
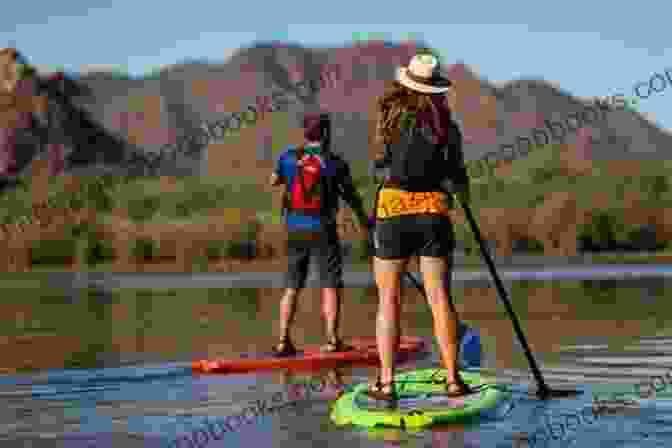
543,391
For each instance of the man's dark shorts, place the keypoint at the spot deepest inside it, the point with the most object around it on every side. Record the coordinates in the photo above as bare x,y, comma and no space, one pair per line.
323,249
414,235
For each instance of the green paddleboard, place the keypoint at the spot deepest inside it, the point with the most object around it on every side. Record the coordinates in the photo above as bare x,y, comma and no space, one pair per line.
420,402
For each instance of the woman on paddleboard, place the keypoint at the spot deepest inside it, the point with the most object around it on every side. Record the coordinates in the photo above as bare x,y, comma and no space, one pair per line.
422,161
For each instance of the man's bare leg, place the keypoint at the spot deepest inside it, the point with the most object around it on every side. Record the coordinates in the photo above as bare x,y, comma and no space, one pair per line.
288,312
331,308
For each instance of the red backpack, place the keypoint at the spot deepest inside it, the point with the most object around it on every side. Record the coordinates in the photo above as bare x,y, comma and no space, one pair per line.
305,193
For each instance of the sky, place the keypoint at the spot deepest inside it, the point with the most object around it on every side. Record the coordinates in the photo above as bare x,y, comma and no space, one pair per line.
587,48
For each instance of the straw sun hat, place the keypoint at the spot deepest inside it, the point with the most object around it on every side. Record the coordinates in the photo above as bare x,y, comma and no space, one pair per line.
423,75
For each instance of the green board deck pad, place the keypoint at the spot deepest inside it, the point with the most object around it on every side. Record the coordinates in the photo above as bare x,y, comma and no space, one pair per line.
421,402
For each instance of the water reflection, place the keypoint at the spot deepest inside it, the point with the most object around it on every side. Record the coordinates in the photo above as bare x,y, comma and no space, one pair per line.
97,325
655,287
326,384
601,336
443,436
244,301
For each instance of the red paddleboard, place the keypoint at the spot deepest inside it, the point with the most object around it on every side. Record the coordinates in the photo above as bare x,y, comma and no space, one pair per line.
310,358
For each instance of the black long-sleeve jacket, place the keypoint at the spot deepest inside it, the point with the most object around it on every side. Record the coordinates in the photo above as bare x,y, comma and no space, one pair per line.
456,173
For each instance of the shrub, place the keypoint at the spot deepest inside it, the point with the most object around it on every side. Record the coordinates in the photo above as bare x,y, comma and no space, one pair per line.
528,245
98,251
182,210
200,200
197,201
200,263
215,249
599,233
94,192
250,230
144,249
81,230
87,358
653,187
606,231
76,202
645,238
240,249
544,174
53,252
143,209
537,199
244,244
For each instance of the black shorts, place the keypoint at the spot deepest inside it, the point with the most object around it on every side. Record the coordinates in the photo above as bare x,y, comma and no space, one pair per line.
323,249
409,235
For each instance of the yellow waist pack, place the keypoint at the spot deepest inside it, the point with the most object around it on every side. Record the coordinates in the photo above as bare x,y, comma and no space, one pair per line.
393,202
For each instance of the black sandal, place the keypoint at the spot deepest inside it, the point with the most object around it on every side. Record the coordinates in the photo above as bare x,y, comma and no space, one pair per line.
464,388
335,345
377,393
285,348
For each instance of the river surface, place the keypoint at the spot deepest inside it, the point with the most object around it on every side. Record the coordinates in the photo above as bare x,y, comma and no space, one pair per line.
94,368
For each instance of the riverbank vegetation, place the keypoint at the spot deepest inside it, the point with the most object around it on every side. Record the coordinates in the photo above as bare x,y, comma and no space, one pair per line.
225,217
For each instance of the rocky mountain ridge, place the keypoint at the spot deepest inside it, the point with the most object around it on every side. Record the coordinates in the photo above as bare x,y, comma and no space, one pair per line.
146,114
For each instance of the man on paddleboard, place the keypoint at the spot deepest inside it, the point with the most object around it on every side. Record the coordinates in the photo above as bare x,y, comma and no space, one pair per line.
314,180
422,161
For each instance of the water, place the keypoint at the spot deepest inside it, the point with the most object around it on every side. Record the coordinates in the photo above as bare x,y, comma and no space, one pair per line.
355,279
109,369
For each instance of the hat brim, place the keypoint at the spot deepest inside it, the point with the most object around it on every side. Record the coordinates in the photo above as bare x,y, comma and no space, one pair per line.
403,78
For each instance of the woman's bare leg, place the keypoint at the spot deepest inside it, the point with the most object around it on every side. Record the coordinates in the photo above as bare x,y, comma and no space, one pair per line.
436,272
388,280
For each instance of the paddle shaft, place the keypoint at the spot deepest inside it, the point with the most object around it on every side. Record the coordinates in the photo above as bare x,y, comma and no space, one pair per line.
543,388
416,283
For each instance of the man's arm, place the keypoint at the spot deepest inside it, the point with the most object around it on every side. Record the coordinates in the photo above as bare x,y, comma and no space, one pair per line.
350,195
276,179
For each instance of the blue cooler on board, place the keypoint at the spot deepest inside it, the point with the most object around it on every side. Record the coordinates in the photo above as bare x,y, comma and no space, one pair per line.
470,346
